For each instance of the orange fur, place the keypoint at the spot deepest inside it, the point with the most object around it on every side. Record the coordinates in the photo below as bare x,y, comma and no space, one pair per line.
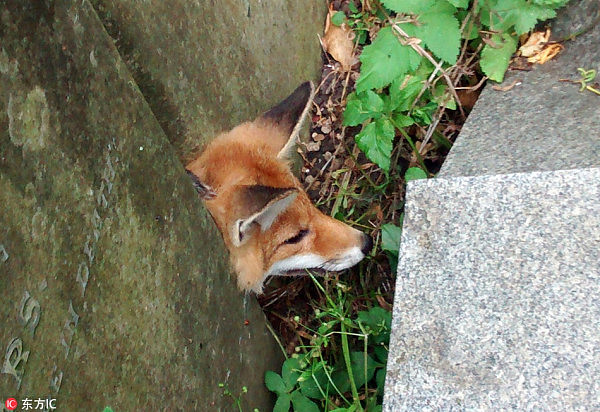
247,156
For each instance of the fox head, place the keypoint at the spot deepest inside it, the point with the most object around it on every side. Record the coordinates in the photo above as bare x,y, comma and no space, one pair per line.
267,221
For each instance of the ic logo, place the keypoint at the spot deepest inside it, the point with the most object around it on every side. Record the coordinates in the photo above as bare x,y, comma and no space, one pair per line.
11,404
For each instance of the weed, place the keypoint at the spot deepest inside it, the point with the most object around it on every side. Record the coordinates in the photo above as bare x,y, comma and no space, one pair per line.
587,77
353,381
237,400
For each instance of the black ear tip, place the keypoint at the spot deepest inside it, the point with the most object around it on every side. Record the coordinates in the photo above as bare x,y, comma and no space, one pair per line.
306,87
290,109
205,191
304,91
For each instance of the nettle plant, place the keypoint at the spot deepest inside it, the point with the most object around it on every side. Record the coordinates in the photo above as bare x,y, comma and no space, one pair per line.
413,63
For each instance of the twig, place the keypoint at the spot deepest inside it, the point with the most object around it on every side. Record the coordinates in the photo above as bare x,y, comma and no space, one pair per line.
425,54
431,128
473,88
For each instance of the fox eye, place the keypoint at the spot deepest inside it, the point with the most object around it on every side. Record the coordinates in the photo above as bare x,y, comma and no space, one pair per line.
297,238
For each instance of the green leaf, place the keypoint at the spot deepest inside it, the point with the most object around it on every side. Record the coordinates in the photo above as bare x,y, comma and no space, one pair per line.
380,380
423,115
357,363
401,120
521,14
327,327
528,18
372,405
494,61
442,97
440,32
312,380
414,173
275,383
438,28
441,141
375,140
390,238
409,6
107,409
384,60
471,31
377,319
361,107
460,4
283,403
403,92
381,353
338,18
339,376
302,403
290,372
551,3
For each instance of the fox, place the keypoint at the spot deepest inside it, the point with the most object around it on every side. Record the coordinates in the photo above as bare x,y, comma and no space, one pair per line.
266,219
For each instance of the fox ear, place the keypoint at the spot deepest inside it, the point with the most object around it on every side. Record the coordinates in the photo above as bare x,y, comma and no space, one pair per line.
205,191
290,113
264,204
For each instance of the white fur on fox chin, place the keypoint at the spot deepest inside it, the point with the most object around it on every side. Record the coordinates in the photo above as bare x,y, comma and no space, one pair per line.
312,261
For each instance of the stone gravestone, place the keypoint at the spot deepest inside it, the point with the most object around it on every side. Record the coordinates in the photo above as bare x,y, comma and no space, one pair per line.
205,67
115,286
498,289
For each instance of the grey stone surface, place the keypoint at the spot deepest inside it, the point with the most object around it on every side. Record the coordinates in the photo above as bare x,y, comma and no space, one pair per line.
578,17
541,123
206,66
497,302
115,285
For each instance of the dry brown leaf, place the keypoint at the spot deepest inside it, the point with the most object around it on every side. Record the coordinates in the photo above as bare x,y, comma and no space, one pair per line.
376,210
535,43
547,54
538,50
338,41
383,303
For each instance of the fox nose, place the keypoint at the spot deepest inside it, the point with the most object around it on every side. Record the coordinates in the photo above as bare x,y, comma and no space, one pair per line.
367,244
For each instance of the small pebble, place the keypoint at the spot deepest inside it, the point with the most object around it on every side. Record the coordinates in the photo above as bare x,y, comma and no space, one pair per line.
313,146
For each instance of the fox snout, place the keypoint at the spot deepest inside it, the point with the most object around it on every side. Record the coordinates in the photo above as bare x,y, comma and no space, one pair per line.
267,220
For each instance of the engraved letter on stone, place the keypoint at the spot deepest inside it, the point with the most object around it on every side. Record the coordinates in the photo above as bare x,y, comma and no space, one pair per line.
14,357
30,312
